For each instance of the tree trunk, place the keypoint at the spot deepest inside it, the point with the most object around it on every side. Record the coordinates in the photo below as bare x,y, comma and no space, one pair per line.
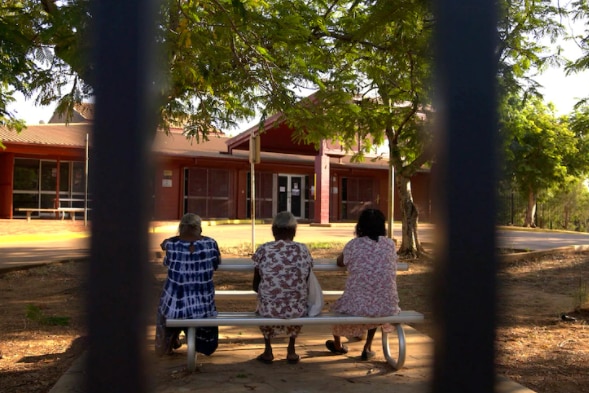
410,245
530,209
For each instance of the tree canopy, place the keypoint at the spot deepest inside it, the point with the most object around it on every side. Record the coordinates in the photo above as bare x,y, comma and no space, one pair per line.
541,150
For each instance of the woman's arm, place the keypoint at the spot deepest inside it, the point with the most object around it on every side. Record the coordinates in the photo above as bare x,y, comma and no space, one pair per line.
340,260
257,279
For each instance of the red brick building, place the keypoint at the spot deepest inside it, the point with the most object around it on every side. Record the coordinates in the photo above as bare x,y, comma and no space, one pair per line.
45,165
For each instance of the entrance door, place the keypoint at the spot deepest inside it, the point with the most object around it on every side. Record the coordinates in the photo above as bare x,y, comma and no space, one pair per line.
291,194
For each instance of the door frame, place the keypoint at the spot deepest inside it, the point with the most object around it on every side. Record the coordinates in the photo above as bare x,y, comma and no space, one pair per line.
289,187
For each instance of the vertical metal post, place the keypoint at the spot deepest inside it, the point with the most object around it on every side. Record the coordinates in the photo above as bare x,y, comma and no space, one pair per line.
391,199
86,184
465,282
124,125
254,158
253,204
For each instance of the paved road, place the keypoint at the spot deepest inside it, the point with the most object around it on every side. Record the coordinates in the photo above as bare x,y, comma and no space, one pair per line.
17,251
540,240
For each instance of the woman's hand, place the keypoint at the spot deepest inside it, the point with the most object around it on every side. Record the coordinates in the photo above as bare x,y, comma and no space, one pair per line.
257,279
340,260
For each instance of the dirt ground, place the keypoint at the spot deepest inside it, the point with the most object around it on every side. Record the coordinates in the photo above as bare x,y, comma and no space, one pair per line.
42,325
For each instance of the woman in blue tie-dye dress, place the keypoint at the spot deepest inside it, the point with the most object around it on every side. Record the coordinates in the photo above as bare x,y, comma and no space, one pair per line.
189,291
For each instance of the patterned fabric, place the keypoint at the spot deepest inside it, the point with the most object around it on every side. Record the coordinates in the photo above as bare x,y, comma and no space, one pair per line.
371,286
284,267
189,291
167,339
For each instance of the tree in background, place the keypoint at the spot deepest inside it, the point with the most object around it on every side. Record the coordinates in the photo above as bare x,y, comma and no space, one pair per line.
579,12
541,151
566,207
221,60
379,84
374,59
15,66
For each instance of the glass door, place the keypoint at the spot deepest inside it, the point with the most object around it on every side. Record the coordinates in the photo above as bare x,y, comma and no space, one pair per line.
290,194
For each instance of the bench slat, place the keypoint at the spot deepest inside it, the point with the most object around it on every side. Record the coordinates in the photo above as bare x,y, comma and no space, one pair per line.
321,265
61,210
327,318
245,294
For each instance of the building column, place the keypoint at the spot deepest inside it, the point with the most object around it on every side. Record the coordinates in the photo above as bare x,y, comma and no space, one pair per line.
6,185
322,187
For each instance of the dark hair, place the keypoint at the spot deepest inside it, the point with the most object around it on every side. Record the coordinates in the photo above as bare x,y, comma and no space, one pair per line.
371,223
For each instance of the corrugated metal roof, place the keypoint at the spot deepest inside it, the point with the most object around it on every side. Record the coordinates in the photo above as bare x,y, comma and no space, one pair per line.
72,135
173,144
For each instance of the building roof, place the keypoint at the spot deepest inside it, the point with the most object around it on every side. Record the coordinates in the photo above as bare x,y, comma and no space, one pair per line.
72,135
175,144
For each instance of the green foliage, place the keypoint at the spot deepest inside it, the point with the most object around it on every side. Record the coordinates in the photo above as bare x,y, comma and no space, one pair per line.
566,207
579,12
541,151
523,28
538,145
34,313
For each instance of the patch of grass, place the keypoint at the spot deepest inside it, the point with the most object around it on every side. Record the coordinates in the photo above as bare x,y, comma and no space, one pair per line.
325,245
245,249
242,250
34,313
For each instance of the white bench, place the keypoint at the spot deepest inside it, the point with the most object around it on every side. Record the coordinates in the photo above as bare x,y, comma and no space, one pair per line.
61,210
321,265
327,318
245,265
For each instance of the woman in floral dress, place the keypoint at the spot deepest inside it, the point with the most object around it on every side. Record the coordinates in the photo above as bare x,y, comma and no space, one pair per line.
281,271
371,287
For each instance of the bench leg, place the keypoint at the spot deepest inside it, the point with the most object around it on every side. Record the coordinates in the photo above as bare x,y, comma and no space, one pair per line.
191,349
397,364
29,215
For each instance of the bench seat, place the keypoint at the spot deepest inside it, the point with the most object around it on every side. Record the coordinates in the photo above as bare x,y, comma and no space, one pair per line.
237,294
327,318
62,210
320,265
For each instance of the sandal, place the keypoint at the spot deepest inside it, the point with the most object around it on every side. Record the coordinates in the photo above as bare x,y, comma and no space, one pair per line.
330,344
367,355
264,360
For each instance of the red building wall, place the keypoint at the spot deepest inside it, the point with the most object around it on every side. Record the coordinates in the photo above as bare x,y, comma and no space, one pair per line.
6,169
167,192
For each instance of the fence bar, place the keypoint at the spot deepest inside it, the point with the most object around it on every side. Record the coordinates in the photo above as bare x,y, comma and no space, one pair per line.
123,126
464,287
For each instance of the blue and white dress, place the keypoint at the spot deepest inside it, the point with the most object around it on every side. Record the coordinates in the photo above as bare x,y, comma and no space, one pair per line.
189,291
